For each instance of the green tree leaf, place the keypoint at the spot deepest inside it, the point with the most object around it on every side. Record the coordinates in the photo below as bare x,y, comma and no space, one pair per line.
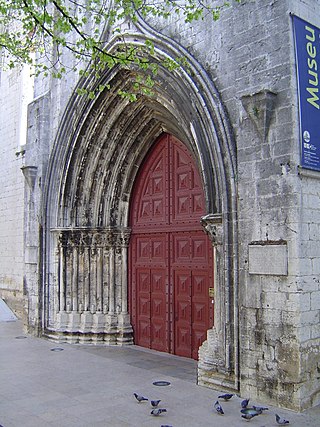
39,33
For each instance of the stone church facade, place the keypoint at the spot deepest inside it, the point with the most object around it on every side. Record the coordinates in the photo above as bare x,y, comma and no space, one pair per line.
183,222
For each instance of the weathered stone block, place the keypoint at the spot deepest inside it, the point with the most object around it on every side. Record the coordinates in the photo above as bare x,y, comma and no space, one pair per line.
268,258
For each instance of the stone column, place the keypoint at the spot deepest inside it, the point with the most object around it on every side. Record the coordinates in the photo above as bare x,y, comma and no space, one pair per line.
214,352
125,327
92,286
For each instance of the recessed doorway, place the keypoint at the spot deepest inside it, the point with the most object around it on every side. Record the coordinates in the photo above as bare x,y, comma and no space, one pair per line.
170,256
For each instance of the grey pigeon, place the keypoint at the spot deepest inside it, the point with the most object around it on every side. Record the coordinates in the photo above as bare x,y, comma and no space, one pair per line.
157,411
250,411
280,420
218,408
249,416
260,408
139,397
155,403
244,403
225,396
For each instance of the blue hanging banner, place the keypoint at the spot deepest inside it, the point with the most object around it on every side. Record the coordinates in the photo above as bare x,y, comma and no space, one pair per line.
307,42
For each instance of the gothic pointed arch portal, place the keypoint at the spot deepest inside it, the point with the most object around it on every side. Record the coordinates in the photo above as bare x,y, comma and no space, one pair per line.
171,262
99,150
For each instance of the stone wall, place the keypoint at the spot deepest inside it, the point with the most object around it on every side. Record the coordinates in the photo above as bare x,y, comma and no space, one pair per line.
12,193
278,205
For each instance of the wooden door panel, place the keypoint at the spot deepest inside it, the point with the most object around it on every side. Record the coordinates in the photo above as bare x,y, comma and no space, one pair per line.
143,281
171,265
149,248
159,304
183,344
182,312
197,203
181,249
159,249
200,250
191,248
142,248
143,336
143,292
150,206
159,336
187,194
200,286
202,309
143,307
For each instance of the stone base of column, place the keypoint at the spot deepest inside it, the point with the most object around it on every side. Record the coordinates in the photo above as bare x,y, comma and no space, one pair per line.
212,370
91,328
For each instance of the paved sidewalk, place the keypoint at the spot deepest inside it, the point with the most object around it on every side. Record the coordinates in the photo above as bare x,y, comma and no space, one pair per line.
93,386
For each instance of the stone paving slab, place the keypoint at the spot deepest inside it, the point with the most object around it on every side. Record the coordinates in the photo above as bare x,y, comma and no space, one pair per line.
94,386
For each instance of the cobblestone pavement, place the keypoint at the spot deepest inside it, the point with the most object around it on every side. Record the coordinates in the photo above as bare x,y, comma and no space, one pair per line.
42,385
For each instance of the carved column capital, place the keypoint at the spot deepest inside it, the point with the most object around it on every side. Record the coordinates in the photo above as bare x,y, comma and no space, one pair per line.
119,238
212,223
63,239
125,237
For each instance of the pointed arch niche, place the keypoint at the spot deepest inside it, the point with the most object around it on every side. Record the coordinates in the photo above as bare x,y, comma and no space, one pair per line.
99,148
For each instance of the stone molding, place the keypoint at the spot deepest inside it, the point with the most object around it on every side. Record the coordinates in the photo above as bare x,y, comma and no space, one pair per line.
30,174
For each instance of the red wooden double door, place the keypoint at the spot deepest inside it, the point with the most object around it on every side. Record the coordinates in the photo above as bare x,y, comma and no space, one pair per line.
170,256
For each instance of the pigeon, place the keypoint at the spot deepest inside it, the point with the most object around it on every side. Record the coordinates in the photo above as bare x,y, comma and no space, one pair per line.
226,396
250,411
218,408
139,397
244,403
260,408
248,416
157,411
280,420
155,403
